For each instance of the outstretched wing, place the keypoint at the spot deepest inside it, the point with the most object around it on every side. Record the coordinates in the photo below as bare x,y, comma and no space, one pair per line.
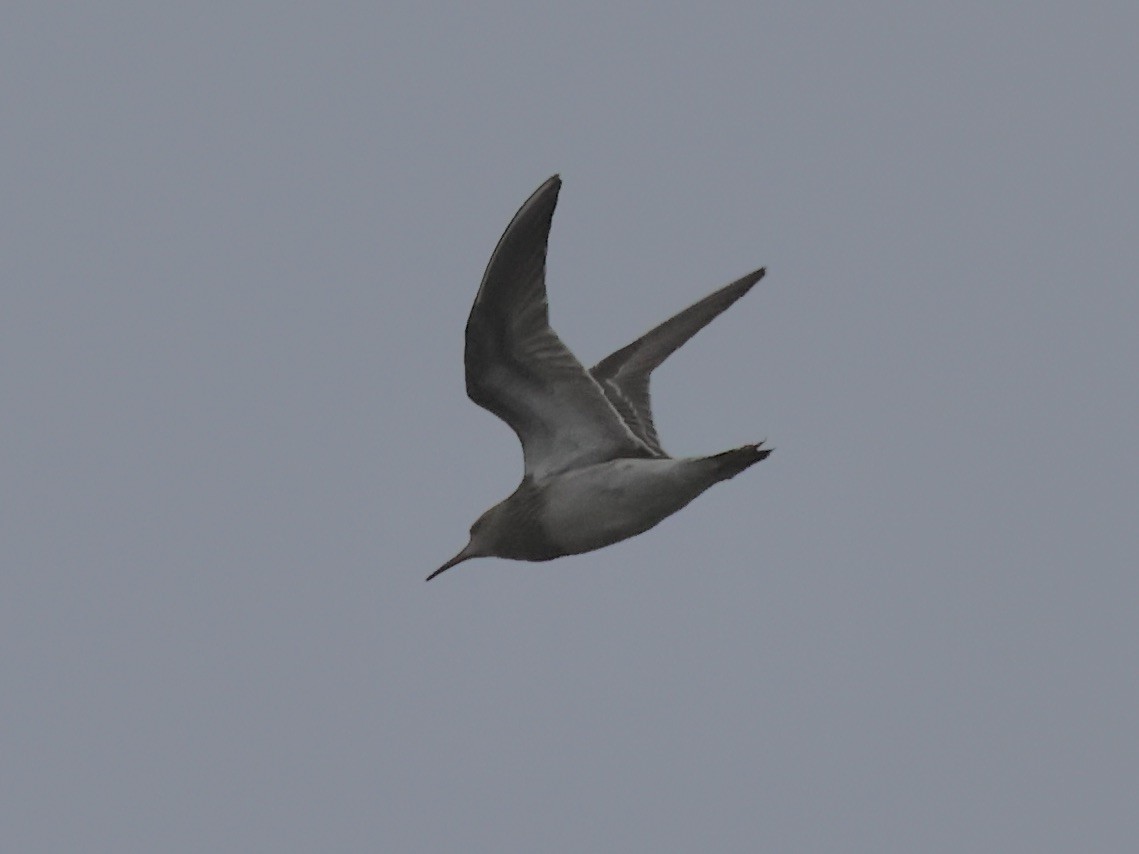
520,370
624,376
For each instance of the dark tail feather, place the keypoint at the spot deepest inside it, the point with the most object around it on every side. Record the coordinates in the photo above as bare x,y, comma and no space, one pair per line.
730,463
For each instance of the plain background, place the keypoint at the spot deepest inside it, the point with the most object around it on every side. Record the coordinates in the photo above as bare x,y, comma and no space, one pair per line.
239,245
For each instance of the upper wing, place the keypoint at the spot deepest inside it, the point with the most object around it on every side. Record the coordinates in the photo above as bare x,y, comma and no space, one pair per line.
520,370
624,376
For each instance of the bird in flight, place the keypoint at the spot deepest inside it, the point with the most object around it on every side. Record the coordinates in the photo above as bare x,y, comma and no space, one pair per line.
595,472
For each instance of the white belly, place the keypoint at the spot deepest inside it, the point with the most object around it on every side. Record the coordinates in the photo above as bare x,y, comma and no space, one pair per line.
599,505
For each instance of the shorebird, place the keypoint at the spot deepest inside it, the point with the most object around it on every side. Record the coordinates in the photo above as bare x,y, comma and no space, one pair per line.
595,472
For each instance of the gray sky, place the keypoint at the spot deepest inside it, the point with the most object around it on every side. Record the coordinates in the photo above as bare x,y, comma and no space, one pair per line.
240,243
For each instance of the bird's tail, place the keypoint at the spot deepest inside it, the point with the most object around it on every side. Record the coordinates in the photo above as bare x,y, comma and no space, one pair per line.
730,463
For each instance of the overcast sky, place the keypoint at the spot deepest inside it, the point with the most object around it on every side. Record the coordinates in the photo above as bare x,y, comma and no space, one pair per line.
239,245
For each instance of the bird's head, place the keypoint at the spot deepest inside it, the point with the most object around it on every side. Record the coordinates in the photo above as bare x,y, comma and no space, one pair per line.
485,533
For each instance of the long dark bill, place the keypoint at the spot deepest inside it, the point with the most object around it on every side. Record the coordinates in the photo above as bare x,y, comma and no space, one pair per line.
465,554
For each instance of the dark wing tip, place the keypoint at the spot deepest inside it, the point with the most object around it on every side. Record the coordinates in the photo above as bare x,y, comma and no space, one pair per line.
551,185
732,292
546,193
519,258
751,278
